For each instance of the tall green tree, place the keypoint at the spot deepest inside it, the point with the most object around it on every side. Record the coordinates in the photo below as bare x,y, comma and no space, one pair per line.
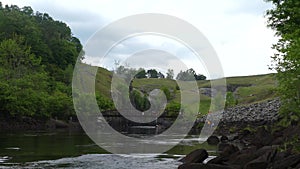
49,39
23,81
152,73
37,57
141,74
284,18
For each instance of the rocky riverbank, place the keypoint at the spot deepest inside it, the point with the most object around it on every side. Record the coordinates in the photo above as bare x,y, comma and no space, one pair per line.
265,148
250,140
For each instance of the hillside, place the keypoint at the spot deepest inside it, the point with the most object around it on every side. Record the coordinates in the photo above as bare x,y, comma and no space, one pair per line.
240,90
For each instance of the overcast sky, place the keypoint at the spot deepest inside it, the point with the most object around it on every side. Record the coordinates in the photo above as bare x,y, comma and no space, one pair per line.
235,28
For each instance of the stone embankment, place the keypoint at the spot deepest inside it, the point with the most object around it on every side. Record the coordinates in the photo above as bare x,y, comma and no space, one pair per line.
266,111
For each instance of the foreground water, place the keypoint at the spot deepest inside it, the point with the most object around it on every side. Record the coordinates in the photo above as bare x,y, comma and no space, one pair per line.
76,150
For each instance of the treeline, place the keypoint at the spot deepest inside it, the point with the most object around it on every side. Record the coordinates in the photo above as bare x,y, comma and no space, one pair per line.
187,75
37,56
140,98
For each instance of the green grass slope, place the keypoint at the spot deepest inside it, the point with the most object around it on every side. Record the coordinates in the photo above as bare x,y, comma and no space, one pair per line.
245,89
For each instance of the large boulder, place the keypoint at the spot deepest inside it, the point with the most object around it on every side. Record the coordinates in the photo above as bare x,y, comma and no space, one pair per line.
196,156
224,139
218,160
262,137
242,157
288,162
222,146
213,140
228,150
262,161
256,164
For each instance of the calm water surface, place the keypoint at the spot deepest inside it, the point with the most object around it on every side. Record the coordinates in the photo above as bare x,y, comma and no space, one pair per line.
76,150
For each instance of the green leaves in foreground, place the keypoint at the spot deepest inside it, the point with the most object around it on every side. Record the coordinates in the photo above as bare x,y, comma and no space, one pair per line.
284,18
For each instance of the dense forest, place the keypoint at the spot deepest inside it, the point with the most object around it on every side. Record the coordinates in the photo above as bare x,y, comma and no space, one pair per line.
37,56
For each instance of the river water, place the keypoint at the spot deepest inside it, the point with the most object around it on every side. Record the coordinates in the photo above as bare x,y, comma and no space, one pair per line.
76,150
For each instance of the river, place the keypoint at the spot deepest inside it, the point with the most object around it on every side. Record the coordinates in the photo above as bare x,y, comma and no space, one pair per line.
65,149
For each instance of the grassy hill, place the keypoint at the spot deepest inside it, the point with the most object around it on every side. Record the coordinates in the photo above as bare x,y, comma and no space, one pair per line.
243,90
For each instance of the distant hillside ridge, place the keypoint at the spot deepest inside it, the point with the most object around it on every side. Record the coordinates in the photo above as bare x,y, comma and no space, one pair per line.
242,90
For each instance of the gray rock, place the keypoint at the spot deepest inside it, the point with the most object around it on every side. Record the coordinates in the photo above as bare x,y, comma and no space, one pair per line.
224,139
213,140
265,111
262,137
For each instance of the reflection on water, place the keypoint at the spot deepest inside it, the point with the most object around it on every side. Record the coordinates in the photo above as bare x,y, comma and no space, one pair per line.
76,150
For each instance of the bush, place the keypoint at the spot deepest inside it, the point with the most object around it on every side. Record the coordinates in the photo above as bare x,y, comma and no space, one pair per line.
173,108
167,92
230,100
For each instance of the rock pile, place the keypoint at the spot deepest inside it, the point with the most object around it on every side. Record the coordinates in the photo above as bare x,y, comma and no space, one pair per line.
261,149
266,111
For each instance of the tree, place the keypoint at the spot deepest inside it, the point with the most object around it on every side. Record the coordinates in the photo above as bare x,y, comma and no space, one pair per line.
170,74
152,73
189,75
139,100
284,18
37,57
230,100
24,82
185,76
160,75
48,39
141,74
200,77
167,92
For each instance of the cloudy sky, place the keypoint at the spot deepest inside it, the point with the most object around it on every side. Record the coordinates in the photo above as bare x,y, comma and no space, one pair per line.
235,28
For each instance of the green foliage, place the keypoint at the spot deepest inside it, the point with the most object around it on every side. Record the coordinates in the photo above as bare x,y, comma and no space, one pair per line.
284,19
37,56
204,106
152,73
139,100
60,105
48,39
141,74
166,92
104,103
24,82
173,108
230,100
